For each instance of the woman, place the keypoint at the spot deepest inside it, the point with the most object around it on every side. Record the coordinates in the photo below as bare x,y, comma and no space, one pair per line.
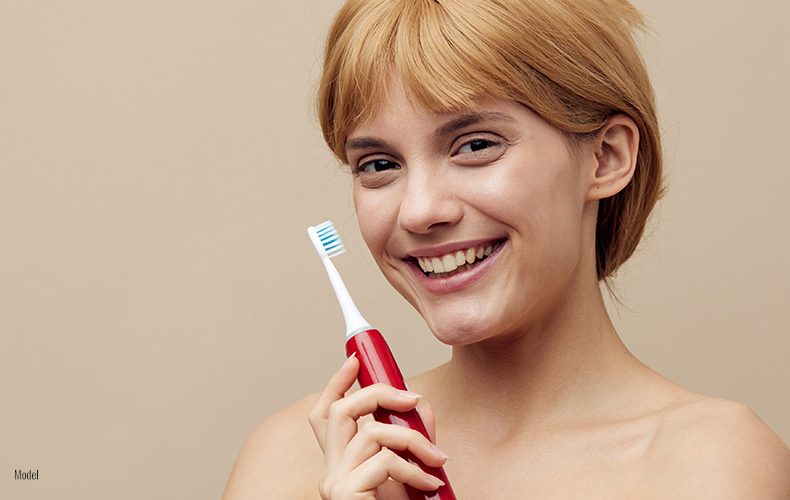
519,136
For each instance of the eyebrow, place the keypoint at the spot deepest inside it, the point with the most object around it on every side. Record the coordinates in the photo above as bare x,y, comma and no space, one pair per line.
449,127
365,143
472,118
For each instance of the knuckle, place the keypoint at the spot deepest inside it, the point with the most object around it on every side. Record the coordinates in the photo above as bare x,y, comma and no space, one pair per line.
337,490
315,410
405,434
388,456
368,433
381,388
336,409
328,487
364,429
372,428
395,436
324,488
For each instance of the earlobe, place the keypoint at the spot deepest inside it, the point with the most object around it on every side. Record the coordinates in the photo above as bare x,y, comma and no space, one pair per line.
616,148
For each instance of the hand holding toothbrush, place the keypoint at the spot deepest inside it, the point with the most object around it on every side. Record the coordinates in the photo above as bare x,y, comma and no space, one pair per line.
358,461
365,463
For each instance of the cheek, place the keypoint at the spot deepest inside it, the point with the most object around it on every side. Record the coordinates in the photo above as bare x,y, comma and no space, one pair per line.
537,196
375,215
532,200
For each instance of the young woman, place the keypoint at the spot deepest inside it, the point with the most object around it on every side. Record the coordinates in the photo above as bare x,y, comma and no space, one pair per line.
505,158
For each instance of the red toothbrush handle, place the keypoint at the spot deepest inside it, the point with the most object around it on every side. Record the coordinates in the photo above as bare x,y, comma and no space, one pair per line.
376,364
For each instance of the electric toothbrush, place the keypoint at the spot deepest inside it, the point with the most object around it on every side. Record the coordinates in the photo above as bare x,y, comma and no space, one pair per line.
376,362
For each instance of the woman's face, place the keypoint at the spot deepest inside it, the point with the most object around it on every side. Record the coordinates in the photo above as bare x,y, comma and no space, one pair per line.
434,190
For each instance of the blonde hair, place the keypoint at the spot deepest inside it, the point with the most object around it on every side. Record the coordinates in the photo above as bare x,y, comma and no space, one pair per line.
573,62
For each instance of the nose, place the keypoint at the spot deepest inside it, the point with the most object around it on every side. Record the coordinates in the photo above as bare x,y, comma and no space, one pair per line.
429,201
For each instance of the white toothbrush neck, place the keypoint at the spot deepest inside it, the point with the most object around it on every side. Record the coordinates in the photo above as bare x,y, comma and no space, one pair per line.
354,320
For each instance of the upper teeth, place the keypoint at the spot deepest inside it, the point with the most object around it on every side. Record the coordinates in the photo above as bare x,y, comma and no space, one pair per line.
451,261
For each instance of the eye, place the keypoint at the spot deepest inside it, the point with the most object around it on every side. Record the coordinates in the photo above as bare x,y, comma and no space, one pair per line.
479,150
373,166
476,145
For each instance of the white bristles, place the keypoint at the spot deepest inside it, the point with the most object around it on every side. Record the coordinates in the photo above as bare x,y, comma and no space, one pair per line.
330,240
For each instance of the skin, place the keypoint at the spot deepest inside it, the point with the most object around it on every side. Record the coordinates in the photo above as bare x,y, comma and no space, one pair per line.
539,383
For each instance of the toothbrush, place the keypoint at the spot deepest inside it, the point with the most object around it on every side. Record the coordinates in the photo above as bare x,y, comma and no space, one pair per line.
376,362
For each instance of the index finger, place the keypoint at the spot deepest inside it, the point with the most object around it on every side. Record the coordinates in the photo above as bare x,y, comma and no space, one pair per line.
335,389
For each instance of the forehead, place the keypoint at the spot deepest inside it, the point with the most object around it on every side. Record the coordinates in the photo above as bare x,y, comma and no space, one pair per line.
394,103
398,106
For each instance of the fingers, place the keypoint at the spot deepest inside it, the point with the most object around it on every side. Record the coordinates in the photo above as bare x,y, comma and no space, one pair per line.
372,437
335,389
343,414
359,456
386,464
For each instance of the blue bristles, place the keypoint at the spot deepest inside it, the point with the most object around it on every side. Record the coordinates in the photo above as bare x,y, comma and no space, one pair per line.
330,240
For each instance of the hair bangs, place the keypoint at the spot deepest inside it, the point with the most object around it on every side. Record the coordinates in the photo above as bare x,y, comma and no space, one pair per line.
422,45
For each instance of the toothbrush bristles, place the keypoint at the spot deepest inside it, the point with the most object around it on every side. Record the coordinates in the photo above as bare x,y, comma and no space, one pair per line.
329,238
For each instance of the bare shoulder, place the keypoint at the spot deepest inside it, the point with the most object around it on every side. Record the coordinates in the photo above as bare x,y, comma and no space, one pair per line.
279,459
714,448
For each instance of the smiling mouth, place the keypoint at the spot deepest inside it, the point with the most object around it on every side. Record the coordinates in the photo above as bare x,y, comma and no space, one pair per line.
445,266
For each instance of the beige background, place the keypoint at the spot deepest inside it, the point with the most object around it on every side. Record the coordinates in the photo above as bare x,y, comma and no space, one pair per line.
159,163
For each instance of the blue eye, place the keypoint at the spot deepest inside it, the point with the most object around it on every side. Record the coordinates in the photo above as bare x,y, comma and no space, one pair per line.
376,166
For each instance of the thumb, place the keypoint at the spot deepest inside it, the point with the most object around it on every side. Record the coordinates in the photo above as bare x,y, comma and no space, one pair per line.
428,418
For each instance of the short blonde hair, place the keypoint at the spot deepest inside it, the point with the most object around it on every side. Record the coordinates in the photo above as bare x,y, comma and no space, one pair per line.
573,62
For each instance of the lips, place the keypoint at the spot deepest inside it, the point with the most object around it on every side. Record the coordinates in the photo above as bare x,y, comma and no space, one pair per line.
449,276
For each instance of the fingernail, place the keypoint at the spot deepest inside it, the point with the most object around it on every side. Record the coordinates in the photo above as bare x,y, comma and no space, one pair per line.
435,481
410,394
348,360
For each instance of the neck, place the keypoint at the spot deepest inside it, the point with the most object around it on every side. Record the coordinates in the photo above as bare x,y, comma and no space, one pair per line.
567,370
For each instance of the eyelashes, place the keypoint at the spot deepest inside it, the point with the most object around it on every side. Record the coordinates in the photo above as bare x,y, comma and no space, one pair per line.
478,150
477,145
374,166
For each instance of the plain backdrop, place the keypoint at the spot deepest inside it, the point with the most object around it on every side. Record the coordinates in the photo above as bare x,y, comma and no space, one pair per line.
159,163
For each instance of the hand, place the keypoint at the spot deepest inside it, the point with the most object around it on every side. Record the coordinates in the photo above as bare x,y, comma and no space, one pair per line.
358,459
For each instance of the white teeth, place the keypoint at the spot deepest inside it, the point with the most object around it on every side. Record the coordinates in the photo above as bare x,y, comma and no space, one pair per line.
449,263
460,258
452,261
426,264
470,255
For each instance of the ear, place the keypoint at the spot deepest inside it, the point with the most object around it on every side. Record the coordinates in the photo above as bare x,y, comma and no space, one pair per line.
616,147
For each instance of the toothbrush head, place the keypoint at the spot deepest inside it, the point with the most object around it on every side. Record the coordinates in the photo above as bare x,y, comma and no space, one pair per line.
326,240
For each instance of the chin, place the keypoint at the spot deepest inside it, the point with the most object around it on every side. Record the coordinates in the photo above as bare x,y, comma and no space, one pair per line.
459,330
